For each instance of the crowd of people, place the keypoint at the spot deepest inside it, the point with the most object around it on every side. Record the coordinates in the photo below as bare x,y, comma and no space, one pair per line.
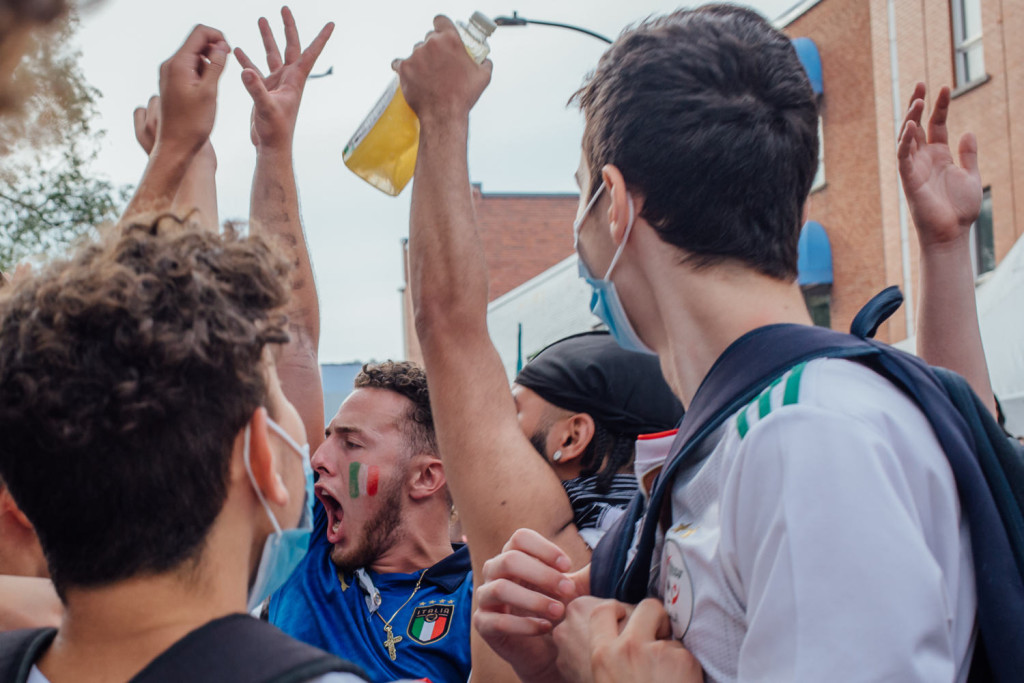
172,509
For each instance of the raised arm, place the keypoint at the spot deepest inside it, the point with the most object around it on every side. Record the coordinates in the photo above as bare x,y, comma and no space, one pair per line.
188,107
197,195
496,478
944,200
274,208
498,481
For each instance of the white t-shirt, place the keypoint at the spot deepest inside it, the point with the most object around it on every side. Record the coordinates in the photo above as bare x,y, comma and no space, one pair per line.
36,676
821,539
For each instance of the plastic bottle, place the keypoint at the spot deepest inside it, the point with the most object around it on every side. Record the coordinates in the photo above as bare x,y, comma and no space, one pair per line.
383,150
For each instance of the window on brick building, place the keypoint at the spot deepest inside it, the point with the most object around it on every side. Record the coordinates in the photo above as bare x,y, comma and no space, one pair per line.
819,177
967,44
983,246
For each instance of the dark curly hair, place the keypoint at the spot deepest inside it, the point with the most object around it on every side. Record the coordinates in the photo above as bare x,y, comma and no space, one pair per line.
409,380
127,371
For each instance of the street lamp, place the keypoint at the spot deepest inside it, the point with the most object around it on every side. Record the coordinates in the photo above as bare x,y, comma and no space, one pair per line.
516,20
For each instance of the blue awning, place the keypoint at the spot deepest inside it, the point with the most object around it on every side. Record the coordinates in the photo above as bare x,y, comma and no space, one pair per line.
807,51
814,260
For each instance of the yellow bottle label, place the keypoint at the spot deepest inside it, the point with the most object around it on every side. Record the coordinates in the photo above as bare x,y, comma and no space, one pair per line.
383,150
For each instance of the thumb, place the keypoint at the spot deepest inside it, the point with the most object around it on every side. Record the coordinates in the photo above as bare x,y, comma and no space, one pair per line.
968,152
254,85
139,117
218,60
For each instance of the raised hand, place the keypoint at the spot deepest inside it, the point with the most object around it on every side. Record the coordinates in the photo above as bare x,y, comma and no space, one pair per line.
188,91
440,81
276,96
944,198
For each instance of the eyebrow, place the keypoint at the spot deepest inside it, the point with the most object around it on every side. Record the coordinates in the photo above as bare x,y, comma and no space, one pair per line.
341,430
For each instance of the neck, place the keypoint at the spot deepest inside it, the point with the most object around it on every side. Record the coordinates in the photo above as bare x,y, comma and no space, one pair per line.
721,304
423,542
113,632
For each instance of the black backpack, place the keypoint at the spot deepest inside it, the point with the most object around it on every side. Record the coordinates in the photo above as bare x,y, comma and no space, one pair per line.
988,467
232,648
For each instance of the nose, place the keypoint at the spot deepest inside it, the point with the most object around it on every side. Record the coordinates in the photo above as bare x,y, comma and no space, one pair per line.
320,461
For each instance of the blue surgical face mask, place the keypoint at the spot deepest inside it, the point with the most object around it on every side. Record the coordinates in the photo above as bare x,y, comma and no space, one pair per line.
604,299
285,548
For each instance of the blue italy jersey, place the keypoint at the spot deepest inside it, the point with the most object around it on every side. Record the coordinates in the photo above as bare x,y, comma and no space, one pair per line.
345,614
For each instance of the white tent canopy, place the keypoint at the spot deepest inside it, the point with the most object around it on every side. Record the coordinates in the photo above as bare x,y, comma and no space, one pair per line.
1002,333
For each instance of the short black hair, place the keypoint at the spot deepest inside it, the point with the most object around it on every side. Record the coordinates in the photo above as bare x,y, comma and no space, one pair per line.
710,116
128,370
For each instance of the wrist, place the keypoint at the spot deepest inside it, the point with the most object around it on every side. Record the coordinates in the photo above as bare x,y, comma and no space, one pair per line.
275,153
433,122
962,242
172,154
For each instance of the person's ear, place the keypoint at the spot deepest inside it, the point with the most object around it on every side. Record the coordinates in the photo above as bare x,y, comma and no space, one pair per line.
8,506
428,476
578,432
618,202
263,460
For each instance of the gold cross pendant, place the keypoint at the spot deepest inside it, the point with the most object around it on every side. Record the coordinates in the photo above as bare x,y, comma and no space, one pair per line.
390,642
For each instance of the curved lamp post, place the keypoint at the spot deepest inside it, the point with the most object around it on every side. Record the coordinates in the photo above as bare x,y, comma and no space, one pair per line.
516,20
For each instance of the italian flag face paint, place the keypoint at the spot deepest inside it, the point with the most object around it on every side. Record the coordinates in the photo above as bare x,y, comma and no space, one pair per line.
362,479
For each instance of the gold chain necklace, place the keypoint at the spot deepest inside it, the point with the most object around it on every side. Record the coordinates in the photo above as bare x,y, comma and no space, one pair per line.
391,639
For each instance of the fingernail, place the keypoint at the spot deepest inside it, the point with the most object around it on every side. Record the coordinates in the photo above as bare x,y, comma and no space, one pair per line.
562,564
554,608
566,587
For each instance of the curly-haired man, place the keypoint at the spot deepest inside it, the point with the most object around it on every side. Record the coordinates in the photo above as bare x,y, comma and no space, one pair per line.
148,439
380,585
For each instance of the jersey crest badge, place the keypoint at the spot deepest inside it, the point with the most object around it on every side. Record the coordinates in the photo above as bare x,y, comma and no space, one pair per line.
676,584
431,621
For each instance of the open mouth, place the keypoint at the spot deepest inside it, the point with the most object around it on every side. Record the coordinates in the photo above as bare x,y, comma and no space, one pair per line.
335,514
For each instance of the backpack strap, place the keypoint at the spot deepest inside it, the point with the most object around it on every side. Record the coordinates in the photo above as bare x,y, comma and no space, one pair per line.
19,650
750,364
240,648
740,373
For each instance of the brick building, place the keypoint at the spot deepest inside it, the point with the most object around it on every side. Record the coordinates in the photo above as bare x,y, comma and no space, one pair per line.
872,53
523,235
865,57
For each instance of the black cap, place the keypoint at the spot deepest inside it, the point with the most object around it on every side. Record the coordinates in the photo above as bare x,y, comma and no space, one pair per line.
590,373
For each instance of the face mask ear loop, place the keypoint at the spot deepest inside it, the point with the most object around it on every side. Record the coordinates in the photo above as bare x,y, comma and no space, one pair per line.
252,480
625,238
583,216
301,450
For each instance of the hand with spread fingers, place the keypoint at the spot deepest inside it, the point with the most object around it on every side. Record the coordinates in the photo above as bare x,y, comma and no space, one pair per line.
944,198
606,641
188,91
440,81
276,96
523,596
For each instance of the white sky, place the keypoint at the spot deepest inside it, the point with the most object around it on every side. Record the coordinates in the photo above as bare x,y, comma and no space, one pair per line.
523,138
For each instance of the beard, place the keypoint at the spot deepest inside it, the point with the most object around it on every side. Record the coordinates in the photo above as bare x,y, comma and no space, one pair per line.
539,440
380,535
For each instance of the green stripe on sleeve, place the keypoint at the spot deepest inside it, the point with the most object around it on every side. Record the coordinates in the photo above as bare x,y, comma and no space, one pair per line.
764,402
792,392
742,426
